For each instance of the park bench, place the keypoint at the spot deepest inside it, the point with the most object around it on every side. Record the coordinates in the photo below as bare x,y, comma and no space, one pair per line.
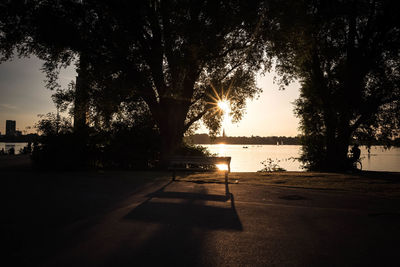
200,164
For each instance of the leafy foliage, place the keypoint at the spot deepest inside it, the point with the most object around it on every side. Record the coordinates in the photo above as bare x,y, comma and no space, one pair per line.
53,124
131,142
346,56
179,57
271,165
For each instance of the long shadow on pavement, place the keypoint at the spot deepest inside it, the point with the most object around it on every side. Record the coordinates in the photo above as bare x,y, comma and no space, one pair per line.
183,220
192,212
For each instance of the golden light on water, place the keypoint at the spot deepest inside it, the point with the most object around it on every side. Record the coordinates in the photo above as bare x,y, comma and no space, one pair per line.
222,167
221,153
221,150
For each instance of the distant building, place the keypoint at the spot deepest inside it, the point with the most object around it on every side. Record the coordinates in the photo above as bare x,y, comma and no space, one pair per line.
10,128
223,133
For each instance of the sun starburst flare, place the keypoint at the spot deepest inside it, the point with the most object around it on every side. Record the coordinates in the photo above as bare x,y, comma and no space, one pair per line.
221,101
224,106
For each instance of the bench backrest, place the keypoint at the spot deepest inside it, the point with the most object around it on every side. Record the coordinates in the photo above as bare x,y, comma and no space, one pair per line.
200,160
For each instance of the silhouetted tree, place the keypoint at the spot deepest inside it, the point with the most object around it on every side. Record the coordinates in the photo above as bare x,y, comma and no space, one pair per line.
58,32
346,56
180,57
53,124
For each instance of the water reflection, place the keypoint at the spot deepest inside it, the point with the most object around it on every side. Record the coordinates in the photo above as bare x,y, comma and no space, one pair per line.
381,159
221,150
249,159
16,146
9,146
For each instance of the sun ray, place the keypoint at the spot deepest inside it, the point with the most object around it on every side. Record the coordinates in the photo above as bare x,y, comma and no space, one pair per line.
215,91
215,99
229,89
216,110
220,103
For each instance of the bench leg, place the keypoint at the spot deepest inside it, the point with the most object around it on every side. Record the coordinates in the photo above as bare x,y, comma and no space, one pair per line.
226,185
173,175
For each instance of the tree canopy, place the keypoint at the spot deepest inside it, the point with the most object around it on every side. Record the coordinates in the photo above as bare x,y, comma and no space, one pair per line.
179,57
346,56
175,59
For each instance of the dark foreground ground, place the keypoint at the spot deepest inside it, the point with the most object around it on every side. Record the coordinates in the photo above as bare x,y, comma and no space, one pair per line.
141,219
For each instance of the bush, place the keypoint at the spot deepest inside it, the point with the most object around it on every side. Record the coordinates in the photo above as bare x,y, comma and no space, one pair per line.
63,151
193,150
271,166
133,144
130,147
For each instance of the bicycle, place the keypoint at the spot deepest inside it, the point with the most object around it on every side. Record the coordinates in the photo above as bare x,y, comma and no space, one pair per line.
357,164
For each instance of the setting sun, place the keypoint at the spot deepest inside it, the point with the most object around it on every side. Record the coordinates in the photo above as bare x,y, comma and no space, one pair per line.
223,105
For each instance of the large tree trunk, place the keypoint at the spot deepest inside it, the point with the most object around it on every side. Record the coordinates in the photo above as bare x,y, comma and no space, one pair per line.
336,120
338,140
330,135
171,123
171,110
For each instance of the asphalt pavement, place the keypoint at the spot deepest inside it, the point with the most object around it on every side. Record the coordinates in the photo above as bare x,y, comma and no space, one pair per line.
194,224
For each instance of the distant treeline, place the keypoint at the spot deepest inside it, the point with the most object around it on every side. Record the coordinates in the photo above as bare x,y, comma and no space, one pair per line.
243,140
268,140
19,139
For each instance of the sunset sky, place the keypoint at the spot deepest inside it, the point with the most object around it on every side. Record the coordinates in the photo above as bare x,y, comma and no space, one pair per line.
23,96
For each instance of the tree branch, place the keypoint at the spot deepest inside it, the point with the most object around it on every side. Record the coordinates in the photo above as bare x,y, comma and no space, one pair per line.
370,109
232,69
193,120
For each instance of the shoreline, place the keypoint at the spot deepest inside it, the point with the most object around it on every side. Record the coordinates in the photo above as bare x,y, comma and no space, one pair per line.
374,183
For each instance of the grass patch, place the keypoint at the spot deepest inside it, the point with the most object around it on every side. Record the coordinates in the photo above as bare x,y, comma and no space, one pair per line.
376,183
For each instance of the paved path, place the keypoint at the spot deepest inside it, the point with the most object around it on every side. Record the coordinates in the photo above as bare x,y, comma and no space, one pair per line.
184,223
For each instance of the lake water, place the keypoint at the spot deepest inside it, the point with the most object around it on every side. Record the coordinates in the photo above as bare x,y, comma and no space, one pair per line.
17,146
249,159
